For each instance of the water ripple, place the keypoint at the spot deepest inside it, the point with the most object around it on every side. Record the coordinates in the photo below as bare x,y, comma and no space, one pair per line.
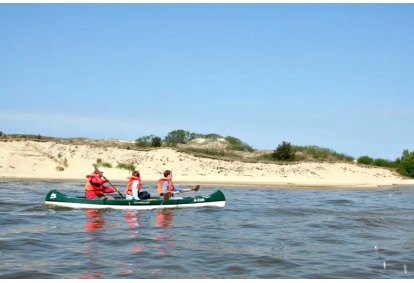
261,233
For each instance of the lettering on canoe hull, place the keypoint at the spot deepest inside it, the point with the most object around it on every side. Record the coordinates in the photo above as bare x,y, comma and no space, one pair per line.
199,200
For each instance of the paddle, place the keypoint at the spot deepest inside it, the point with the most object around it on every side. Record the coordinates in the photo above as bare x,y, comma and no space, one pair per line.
196,188
168,195
113,186
96,169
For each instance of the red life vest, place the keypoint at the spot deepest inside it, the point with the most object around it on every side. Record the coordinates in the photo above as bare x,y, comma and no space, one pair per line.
160,185
90,187
129,185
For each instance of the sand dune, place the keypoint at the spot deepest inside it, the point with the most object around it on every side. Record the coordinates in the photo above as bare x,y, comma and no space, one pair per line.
42,160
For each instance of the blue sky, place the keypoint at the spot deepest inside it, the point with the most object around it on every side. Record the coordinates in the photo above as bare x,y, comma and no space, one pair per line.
339,76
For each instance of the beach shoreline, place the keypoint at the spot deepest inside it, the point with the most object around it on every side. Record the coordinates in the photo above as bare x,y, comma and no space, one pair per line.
52,161
247,185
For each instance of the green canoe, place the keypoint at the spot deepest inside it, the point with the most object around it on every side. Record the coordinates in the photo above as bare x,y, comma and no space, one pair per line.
55,198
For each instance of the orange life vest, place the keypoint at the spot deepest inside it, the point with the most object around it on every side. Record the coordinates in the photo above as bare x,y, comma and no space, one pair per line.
160,185
129,185
90,187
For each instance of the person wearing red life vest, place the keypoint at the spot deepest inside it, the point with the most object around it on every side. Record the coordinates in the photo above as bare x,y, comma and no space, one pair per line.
166,185
133,186
94,187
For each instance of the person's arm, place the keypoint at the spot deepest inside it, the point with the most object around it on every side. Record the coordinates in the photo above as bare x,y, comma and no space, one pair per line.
108,190
135,189
97,181
105,189
178,190
165,187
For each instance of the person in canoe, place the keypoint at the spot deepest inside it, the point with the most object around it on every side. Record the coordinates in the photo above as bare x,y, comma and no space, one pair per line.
94,187
133,191
166,185
133,186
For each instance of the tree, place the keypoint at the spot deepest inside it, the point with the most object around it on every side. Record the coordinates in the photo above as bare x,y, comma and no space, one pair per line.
142,141
284,152
365,159
148,141
405,164
175,137
156,141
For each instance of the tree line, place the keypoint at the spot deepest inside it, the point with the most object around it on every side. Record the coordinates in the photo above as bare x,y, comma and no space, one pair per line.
403,165
176,137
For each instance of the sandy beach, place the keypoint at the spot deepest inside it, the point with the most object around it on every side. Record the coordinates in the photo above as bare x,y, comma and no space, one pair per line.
27,159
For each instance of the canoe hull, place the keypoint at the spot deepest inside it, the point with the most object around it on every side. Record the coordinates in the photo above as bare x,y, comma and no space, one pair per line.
56,198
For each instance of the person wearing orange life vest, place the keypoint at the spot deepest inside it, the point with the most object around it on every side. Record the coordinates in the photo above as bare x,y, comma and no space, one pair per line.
166,185
133,186
94,186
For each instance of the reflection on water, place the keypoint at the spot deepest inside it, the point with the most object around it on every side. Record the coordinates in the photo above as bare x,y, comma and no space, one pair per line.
94,219
164,220
133,218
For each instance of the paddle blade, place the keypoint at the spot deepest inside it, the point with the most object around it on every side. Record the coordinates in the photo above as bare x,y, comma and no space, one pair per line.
167,196
196,188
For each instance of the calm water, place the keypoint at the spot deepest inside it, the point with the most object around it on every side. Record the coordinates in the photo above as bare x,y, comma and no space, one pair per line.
260,233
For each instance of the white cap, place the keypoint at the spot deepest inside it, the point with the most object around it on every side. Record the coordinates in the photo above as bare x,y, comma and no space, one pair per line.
100,169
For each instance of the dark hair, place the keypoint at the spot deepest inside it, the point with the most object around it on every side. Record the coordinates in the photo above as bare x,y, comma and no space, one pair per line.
167,172
136,174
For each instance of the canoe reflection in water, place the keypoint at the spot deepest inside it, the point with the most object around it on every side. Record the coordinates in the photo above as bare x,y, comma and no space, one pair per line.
133,218
94,221
164,220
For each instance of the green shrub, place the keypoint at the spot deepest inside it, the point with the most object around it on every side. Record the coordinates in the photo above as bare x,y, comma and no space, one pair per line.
148,141
156,141
405,164
175,137
365,160
100,163
126,166
60,168
236,144
266,156
383,162
284,152
320,153
105,164
211,152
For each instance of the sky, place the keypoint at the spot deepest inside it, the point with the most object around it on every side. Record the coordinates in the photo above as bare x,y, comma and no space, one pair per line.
334,75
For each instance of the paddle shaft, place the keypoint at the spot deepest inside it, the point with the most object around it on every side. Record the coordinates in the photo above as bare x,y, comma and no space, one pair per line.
168,195
113,186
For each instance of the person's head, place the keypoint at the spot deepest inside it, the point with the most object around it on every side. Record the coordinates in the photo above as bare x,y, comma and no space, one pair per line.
99,171
167,173
136,174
